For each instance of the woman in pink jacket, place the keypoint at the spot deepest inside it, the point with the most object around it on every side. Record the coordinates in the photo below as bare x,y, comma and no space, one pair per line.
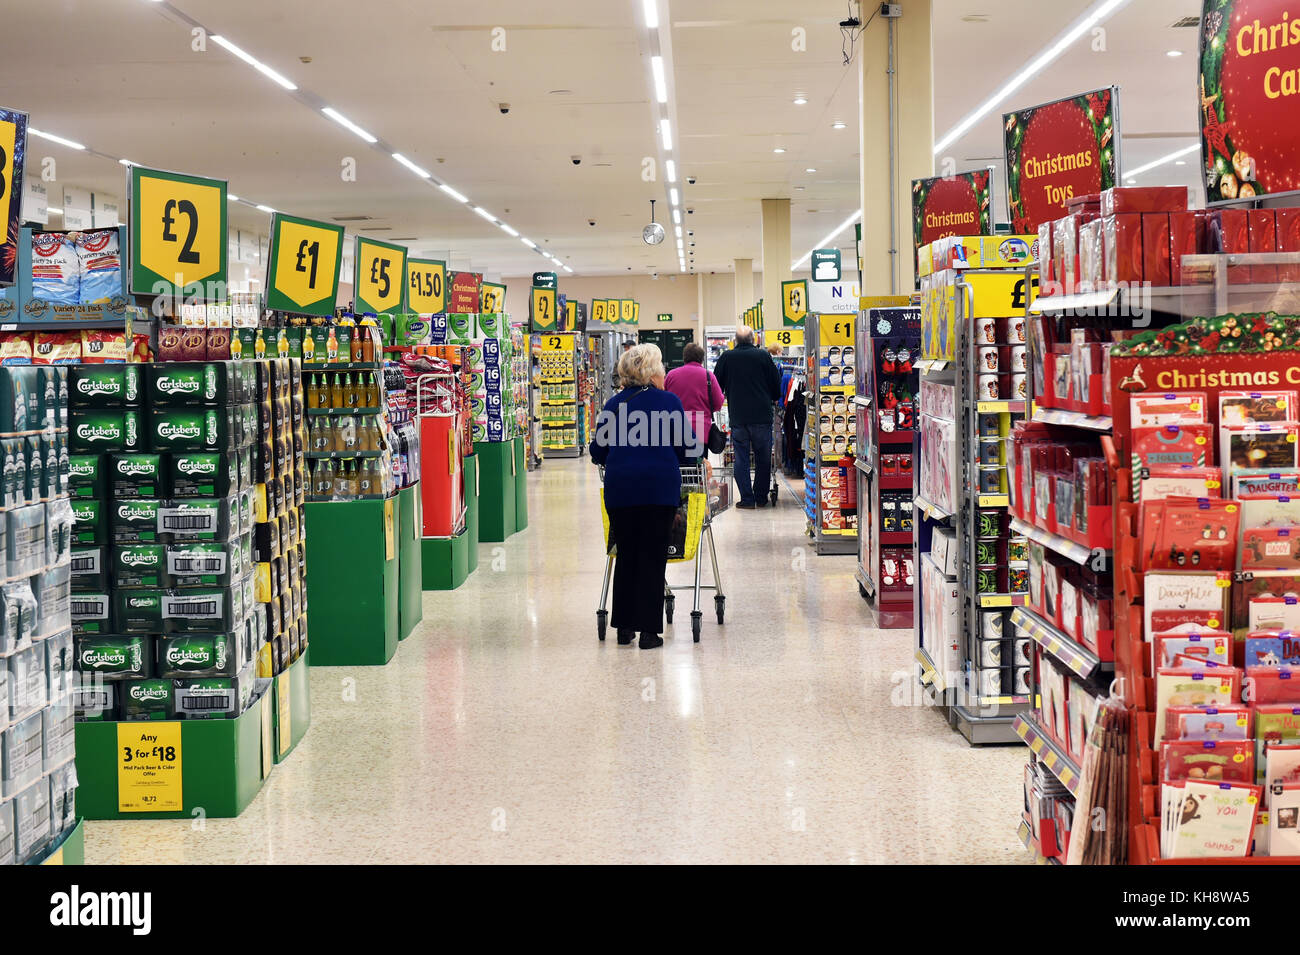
697,388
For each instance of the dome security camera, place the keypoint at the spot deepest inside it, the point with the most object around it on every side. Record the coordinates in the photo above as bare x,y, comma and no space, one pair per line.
690,180
503,107
690,212
576,160
591,222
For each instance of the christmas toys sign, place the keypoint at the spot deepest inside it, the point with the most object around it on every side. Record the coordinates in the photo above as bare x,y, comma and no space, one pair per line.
1249,96
950,205
1057,151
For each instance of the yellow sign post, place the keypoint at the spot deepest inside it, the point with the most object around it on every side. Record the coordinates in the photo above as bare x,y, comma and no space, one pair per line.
149,767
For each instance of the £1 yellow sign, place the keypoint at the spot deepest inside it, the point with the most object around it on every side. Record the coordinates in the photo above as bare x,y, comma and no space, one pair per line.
303,270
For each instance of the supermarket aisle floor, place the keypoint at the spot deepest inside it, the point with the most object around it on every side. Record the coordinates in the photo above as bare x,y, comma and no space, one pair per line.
504,732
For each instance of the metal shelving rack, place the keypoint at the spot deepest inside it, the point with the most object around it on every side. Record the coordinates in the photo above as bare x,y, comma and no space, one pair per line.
826,540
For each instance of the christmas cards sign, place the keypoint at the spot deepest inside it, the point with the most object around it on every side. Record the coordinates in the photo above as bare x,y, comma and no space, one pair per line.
1057,151
949,205
1249,95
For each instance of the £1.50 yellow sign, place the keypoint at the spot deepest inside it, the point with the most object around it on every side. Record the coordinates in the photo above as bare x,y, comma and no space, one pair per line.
380,277
178,234
426,286
302,274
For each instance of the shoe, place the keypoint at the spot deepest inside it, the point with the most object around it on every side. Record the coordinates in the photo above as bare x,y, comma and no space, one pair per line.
748,507
651,640
625,637
760,502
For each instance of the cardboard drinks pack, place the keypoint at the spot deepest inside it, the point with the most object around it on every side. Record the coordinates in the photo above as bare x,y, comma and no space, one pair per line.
113,657
104,386
188,429
93,431
145,699
133,475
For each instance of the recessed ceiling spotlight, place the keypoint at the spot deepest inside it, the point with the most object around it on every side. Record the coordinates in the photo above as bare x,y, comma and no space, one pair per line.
839,125
1174,53
801,101
810,169
1180,162
779,149
798,188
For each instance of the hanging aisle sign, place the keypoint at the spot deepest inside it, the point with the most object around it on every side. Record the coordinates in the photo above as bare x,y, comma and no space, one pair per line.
664,317
302,268
627,311
13,152
825,265
636,313
950,205
426,286
177,234
493,296
1057,151
543,311
545,280
598,310
1249,97
794,302
466,292
380,278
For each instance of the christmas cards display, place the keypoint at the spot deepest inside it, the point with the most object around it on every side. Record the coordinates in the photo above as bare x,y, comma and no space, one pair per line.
1205,820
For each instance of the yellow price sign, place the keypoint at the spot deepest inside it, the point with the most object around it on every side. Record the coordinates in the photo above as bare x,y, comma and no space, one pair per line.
836,330
303,268
636,313
571,313
794,301
426,287
543,309
557,343
493,298
178,234
149,767
999,294
785,337
380,273
8,171
598,310
627,311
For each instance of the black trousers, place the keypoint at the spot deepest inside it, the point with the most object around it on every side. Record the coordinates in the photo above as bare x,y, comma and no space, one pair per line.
642,535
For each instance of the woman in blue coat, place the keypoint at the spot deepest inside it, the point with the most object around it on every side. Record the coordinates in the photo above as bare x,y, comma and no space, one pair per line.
642,438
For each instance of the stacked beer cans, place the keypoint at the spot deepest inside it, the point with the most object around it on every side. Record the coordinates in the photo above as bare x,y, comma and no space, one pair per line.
37,803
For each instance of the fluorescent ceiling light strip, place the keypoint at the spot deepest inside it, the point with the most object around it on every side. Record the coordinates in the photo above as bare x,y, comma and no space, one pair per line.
54,139
673,197
825,243
508,231
422,173
452,192
677,216
231,197
652,14
671,168
346,123
1179,154
254,63
529,242
479,210
1091,19
126,162
567,269
265,208
666,131
57,212
661,86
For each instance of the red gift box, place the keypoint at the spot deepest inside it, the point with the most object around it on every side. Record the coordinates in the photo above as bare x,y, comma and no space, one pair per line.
1089,204
1123,248
1143,199
1229,232
1155,248
1288,240
1261,228
1186,237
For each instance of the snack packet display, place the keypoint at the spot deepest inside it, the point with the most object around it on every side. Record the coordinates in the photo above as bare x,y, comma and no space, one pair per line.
56,268
100,262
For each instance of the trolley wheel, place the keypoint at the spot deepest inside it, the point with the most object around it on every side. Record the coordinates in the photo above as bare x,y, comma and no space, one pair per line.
774,496
720,605
669,602
696,617
602,617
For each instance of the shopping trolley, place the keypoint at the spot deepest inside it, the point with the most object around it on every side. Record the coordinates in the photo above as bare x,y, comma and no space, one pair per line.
706,491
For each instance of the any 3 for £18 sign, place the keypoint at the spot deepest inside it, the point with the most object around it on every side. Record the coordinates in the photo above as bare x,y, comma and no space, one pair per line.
178,234
380,277
303,270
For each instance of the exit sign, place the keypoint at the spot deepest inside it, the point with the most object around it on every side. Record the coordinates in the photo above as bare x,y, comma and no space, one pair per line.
665,316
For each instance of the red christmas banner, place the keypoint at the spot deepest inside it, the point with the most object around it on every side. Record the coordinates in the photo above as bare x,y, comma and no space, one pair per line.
466,292
1249,97
949,205
1057,151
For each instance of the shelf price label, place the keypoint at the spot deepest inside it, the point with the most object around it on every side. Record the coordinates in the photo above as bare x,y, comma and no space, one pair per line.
426,287
786,337
543,309
379,284
149,767
836,330
178,235
302,274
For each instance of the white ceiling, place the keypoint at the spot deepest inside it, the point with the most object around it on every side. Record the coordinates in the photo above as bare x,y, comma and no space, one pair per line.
121,77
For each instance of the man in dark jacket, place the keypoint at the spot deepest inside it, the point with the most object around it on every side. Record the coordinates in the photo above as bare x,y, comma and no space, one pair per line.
752,384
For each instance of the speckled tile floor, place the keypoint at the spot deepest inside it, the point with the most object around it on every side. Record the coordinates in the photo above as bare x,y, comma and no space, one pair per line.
504,732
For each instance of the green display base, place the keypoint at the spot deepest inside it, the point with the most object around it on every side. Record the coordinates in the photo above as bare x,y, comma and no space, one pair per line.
71,851
471,509
410,585
352,585
521,485
446,561
295,711
496,483
223,765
